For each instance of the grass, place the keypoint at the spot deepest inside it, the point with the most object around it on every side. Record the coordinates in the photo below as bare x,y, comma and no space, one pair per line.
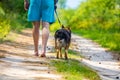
74,70
9,38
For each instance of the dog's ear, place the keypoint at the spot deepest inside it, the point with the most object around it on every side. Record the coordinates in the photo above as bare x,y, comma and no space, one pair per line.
68,29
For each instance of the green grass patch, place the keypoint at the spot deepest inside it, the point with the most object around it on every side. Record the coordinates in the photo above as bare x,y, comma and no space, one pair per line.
73,69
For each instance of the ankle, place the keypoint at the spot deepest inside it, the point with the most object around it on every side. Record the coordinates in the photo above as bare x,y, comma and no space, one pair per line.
36,53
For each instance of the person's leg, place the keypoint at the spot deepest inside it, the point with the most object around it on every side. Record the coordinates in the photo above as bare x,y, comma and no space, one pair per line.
45,35
36,37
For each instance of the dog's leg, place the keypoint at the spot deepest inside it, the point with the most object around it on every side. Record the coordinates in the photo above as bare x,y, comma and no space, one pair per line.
55,44
57,50
66,52
60,52
57,53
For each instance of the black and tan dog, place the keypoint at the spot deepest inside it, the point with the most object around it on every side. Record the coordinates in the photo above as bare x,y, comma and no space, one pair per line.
62,40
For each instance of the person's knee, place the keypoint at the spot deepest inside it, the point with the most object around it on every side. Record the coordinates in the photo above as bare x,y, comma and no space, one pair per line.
36,25
45,25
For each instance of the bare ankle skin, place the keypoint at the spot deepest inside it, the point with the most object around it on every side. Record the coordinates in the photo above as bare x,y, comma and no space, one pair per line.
36,54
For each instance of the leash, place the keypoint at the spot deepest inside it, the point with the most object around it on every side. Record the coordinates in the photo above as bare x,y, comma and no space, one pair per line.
58,18
55,7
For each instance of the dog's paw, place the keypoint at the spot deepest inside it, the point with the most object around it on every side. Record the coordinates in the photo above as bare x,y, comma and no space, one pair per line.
57,57
66,58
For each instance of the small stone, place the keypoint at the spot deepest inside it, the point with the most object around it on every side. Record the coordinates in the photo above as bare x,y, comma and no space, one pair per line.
41,63
117,77
118,59
48,72
90,57
99,62
48,48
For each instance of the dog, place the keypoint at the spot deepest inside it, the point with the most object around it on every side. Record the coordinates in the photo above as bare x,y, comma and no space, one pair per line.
62,40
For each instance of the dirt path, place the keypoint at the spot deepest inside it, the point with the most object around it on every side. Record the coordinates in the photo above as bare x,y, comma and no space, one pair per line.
18,62
97,58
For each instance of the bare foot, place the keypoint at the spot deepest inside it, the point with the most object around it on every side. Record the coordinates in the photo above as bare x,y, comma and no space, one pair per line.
36,54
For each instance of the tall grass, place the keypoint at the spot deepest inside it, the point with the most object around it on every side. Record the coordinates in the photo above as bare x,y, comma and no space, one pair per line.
12,17
4,24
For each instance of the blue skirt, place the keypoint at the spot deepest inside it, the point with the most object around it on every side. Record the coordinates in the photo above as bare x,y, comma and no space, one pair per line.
41,10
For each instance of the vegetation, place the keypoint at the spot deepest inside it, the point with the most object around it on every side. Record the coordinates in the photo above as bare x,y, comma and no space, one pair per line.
12,17
4,24
74,70
100,21
95,19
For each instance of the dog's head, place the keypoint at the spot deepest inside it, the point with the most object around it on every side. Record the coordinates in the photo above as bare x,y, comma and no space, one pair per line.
68,30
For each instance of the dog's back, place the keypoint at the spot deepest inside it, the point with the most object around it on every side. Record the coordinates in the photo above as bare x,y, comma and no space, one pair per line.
62,37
